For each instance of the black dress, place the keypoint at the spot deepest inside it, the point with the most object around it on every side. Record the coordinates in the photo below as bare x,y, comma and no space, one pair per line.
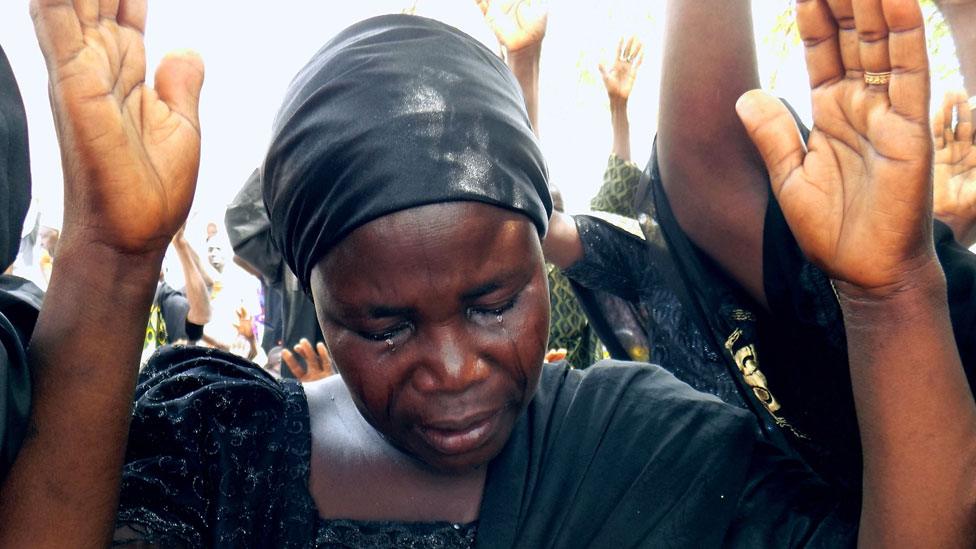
788,365
625,456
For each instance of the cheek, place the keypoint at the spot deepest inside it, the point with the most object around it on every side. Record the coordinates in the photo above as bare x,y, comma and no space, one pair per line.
370,379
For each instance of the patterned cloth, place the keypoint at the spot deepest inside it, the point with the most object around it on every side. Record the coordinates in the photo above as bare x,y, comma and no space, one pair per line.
620,182
569,328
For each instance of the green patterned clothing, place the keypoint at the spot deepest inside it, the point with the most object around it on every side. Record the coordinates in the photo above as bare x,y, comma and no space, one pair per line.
620,182
569,328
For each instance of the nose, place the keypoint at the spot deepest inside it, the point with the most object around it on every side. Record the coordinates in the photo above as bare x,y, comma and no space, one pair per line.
453,363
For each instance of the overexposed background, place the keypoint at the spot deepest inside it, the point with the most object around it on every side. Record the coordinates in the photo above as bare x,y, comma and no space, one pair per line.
253,49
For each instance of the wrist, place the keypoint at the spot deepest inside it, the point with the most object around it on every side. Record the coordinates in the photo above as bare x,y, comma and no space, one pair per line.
618,105
920,293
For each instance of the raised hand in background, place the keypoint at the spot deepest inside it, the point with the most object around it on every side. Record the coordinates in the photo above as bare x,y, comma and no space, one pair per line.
619,77
954,168
318,363
516,23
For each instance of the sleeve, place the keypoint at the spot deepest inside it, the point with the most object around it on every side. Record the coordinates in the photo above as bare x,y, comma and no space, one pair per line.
217,455
784,504
174,307
620,181
800,293
613,259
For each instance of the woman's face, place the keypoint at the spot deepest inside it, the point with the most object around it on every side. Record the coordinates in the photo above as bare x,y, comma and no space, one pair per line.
437,318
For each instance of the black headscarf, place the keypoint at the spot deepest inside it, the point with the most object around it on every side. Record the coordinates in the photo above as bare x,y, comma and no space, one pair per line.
15,182
396,112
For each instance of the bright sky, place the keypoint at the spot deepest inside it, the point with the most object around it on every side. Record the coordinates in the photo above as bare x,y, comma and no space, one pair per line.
253,49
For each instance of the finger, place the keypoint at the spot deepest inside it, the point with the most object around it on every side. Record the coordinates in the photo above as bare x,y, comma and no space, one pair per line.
293,366
908,90
629,53
325,360
87,11
938,129
58,30
108,9
842,11
773,130
872,32
964,126
639,59
179,79
818,29
603,70
620,48
947,134
132,14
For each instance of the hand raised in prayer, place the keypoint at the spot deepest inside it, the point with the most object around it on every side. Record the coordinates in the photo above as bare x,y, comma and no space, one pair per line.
516,23
858,196
620,76
318,363
954,168
244,323
130,152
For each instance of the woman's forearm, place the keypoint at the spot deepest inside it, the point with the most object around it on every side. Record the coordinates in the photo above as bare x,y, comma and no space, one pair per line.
621,129
916,415
196,288
525,64
84,359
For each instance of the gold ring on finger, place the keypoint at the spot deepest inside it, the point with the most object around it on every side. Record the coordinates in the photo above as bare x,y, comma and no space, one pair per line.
877,78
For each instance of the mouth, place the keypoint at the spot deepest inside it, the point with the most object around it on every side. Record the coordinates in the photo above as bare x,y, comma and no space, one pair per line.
459,437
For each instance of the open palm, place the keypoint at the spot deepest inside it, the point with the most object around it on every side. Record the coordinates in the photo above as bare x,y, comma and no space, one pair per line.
954,168
516,23
858,199
620,76
130,153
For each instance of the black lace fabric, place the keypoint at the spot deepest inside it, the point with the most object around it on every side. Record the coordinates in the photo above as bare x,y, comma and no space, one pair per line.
218,456
616,262
382,535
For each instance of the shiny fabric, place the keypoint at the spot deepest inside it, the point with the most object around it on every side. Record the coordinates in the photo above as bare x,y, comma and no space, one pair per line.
618,455
20,302
396,112
15,177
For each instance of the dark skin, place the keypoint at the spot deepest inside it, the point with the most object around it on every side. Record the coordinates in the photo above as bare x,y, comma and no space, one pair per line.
858,201
437,319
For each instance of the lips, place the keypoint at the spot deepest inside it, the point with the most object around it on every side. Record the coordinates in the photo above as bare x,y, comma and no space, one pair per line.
455,437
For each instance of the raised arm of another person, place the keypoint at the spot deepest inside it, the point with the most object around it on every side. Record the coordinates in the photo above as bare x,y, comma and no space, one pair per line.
619,80
520,26
858,198
196,288
125,147
954,172
961,17
710,170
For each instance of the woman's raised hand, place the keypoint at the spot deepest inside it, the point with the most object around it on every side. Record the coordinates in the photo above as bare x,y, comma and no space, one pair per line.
517,23
858,196
954,171
619,76
130,152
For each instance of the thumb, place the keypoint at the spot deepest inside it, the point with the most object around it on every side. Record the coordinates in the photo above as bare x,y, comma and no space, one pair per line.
775,134
179,79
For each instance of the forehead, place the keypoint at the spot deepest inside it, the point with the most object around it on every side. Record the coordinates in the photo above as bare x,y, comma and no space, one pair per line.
455,244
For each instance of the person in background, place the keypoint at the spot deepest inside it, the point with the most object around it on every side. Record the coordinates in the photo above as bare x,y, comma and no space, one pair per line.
954,167
249,232
20,299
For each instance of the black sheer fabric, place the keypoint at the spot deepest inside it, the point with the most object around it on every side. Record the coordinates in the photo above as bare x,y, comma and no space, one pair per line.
637,271
619,454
